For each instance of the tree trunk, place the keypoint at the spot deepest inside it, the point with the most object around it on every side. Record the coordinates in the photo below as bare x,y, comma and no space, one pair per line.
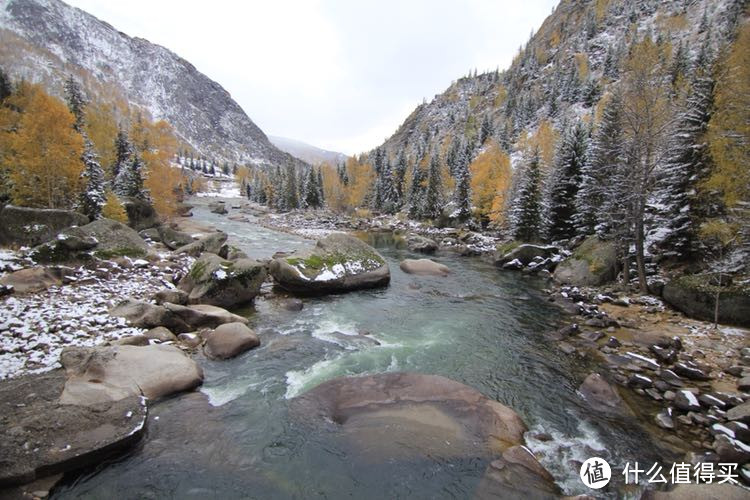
639,254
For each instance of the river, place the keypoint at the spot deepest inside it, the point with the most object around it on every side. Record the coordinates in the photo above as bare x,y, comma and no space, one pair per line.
479,326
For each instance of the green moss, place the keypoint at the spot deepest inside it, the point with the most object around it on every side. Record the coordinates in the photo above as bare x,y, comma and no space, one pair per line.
119,252
196,272
701,283
508,247
589,251
312,265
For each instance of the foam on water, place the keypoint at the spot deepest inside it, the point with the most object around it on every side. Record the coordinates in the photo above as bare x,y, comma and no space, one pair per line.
226,392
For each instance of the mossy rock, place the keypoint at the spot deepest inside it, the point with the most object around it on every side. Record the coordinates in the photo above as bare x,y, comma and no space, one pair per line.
24,226
695,296
594,263
338,263
218,282
114,239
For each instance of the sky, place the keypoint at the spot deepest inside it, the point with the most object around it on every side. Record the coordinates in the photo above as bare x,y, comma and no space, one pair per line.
337,74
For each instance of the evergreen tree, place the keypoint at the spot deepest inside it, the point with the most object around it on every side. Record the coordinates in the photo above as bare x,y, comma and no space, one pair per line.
399,174
76,102
225,168
380,180
93,197
6,88
123,152
486,130
389,194
526,208
462,193
604,154
129,180
688,165
433,197
291,198
564,181
312,193
319,185
417,191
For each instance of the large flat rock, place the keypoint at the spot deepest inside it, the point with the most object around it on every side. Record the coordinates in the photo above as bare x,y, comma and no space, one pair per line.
39,436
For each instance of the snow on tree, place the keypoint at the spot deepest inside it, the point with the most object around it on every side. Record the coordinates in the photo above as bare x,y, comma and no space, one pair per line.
76,102
604,154
93,197
417,190
433,197
399,176
462,193
564,181
389,198
123,152
311,198
129,180
688,164
526,210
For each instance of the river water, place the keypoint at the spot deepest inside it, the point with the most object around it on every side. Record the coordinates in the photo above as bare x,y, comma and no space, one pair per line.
479,326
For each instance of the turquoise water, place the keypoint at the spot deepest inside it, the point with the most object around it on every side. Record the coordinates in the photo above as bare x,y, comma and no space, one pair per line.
479,326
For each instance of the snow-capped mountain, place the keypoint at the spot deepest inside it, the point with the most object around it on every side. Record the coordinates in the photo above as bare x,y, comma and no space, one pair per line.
307,152
45,40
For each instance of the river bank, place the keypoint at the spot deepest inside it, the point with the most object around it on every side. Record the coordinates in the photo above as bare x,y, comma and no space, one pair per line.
489,329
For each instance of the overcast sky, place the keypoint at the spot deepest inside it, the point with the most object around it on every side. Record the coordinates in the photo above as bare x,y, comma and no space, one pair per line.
338,74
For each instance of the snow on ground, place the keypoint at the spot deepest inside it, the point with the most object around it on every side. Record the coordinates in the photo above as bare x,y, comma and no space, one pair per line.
34,328
226,190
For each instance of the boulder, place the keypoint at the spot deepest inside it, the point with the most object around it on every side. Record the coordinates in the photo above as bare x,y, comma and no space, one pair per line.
101,374
338,263
210,243
225,283
161,334
686,401
602,396
424,267
178,318
172,295
517,474
420,244
34,279
409,415
217,207
21,226
151,233
172,238
141,214
740,413
695,297
114,238
43,436
234,253
525,254
594,263
229,340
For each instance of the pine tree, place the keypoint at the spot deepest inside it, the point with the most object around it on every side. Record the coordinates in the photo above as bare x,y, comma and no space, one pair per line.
93,197
564,181
486,130
399,175
129,180
319,185
604,154
291,198
417,191
689,163
462,193
123,152
76,102
312,192
433,198
526,208
6,88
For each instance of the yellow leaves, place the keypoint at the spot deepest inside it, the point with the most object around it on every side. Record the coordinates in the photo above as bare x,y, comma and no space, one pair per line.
544,140
729,128
600,8
502,95
43,155
490,182
101,128
162,180
361,180
582,66
113,209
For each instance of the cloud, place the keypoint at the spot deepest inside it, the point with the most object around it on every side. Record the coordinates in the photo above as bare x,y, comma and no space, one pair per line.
338,74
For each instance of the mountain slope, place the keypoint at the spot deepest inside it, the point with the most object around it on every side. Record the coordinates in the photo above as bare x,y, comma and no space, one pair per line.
306,152
561,72
45,40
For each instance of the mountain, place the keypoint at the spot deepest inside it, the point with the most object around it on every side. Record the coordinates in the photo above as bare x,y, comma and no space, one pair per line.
561,73
306,152
46,40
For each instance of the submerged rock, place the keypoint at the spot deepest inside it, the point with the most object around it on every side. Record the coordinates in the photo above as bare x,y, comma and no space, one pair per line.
102,374
43,436
424,267
517,474
229,340
405,415
602,396
593,263
338,263
420,244
217,207
215,281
